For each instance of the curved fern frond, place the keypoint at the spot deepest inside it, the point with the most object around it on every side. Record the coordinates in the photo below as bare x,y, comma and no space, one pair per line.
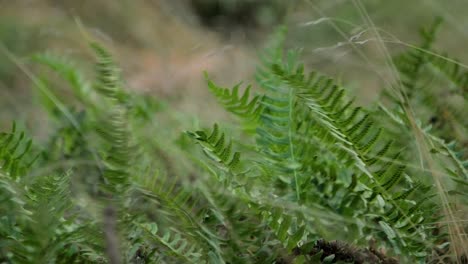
353,129
352,134
14,215
214,146
277,128
175,244
450,68
411,63
113,127
66,70
305,124
437,85
243,106
288,229
49,200
14,149
108,75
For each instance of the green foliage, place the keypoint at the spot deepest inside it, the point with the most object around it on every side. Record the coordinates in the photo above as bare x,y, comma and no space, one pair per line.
301,109
235,103
214,145
13,153
114,186
312,142
436,85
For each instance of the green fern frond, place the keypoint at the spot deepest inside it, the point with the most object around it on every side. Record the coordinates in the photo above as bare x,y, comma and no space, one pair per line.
243,226
276,129
214,146
84,244
175,244
410,64
352,131
240,105
408,192
319,168
14,149
273,53
49,200
108,75
113,127
288,229
307,115
67,71
275,132
450,68
13,215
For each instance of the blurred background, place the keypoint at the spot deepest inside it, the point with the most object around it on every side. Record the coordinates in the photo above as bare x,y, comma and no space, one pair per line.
163,46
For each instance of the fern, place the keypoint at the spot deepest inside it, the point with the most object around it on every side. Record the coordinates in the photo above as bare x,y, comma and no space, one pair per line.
67,71
410,64
39,222
14,214
175,244
351,137
450,68
313,175
240,105
13,151
113,127
214,145
306,114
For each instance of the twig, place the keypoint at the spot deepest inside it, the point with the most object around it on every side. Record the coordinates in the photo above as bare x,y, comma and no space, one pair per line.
110,227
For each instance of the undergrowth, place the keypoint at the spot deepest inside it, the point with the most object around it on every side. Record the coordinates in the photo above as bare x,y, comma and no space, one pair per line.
305,177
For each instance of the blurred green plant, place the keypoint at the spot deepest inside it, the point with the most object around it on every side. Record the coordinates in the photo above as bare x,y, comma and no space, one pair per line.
111,185
18,39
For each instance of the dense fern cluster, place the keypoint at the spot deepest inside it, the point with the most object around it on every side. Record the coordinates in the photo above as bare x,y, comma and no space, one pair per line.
309,178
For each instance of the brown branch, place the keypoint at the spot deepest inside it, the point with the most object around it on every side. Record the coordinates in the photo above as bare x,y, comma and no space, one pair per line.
347,253
112,241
